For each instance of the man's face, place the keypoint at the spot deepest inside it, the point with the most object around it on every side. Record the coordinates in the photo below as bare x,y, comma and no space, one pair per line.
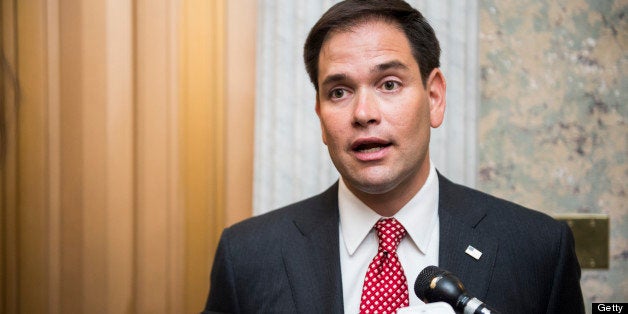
374,111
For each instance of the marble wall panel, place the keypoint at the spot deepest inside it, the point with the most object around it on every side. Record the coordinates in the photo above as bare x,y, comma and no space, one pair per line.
552,131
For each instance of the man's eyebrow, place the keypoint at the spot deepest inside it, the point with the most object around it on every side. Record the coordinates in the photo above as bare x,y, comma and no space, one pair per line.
389,65
334,78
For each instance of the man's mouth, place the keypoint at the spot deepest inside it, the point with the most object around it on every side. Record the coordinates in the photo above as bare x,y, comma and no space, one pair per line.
370,147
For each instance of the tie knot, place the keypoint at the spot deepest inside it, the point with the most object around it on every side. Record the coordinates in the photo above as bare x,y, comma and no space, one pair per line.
389,231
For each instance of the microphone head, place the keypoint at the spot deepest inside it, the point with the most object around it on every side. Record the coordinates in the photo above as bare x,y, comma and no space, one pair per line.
437,285
422,283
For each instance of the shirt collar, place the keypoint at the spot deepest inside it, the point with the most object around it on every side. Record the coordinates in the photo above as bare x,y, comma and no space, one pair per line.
419,216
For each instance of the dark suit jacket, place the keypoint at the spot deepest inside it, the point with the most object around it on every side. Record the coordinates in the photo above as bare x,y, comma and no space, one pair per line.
287,261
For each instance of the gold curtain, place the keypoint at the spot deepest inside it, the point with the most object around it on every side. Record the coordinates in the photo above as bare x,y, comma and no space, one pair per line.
126,132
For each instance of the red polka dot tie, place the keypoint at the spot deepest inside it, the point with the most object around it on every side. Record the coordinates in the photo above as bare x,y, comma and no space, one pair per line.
385,286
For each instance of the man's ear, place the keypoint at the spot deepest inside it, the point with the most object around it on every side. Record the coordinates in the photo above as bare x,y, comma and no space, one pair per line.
437,94
318,113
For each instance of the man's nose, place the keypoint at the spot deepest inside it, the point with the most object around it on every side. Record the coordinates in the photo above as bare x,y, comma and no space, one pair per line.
366,109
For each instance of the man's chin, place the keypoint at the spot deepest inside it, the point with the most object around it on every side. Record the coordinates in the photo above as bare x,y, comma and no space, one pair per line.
374,187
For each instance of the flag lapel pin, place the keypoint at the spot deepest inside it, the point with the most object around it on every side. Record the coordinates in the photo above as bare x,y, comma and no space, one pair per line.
473,252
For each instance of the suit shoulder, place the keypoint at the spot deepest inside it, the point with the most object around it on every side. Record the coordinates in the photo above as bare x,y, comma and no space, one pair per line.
279,219
499,212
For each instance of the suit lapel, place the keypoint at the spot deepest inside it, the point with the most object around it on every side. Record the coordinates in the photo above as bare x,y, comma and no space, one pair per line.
311,257
312,260
460,227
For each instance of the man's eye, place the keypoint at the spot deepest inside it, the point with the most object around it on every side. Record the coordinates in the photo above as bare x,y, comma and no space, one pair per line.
337,93
390,85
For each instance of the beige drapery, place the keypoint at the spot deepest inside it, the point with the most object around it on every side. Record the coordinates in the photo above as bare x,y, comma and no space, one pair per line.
127,128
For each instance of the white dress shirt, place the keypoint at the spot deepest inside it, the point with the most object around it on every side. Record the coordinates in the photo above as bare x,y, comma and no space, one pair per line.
358,239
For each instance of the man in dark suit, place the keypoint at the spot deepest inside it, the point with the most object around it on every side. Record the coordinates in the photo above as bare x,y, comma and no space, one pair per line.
358,246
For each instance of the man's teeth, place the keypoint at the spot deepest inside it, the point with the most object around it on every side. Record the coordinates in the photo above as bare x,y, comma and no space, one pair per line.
371,150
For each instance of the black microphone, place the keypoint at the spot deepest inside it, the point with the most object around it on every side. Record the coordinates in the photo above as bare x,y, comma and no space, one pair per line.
437,285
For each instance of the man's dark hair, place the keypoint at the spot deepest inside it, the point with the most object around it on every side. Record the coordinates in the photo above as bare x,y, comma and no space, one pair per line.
350,13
